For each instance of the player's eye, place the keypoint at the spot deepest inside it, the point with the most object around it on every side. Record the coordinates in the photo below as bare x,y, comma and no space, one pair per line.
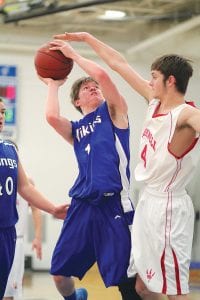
3,112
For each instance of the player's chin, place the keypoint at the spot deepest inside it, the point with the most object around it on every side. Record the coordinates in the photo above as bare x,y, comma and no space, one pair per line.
99,102
96,100
155,95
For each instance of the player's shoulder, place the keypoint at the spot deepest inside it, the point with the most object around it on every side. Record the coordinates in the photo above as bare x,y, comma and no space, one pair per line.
191,103
187,110
11,143
189,107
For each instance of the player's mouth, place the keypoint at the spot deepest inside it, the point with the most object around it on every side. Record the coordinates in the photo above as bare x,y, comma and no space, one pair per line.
94,93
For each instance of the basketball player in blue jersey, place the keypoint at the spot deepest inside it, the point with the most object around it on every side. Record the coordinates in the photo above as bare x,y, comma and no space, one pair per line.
12,179
162,230
96,228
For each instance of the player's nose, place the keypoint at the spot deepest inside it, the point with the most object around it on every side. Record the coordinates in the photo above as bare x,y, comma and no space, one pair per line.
92,88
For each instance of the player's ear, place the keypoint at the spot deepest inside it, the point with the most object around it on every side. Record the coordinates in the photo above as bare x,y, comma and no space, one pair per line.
171,79
77,102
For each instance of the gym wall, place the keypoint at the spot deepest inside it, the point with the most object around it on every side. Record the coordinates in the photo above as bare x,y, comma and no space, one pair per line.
47,158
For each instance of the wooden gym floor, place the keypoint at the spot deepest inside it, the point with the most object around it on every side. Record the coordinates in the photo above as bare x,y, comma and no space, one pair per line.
40,286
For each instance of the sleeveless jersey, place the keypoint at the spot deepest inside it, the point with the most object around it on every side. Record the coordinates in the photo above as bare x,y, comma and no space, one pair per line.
102,152
8,184
157,167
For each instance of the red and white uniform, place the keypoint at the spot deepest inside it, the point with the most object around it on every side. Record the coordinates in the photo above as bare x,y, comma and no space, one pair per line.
163,224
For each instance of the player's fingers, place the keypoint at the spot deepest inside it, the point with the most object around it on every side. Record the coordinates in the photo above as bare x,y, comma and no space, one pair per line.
74,36
58,44
39,253
60,36
66,36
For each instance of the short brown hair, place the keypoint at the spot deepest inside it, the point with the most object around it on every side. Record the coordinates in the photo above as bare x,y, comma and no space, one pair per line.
177,66
74,94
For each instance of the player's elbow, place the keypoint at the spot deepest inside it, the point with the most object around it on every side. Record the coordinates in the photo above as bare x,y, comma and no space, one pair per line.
102,76
117,64
51,119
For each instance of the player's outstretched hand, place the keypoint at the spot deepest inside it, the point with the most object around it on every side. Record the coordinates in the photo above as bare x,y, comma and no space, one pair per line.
72,36
64,47
61,211
37,246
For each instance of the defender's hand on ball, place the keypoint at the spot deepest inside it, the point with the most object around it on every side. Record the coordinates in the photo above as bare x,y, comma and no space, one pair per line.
64,47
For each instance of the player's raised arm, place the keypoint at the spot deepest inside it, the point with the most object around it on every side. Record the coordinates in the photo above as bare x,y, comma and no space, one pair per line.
59,123
114,59
116,103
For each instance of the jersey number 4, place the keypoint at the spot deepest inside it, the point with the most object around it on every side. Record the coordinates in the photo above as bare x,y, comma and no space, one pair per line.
144,155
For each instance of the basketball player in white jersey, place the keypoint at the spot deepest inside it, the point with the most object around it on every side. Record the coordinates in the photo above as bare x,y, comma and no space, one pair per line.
15,279
163,224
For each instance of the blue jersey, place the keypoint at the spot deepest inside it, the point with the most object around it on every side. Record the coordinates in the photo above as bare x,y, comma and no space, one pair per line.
100,203
102,152
8,184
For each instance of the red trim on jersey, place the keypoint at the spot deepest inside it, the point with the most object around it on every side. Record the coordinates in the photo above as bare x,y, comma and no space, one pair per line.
155,114
177,273
170,220
192,144
162,261
190,103
186,151
178,168
170,132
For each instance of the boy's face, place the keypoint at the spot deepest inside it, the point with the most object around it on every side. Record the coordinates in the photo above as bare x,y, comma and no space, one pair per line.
157,84
2,115
90,95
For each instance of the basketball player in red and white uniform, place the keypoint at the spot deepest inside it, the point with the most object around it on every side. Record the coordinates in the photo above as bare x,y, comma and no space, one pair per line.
164,218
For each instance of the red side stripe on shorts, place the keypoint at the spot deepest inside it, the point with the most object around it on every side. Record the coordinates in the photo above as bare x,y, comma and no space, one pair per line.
178,285
164,289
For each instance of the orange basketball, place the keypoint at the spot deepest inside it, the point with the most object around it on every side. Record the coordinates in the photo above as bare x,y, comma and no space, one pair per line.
52,63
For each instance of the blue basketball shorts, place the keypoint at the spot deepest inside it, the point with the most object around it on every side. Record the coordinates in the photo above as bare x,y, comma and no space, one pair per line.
7,251
94,233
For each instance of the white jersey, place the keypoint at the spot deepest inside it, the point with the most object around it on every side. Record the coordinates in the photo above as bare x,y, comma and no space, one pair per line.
158,168
162,228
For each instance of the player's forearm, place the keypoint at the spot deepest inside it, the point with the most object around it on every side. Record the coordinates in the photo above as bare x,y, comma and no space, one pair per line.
91,68
118,63
112,57
30,194
52,104
37,222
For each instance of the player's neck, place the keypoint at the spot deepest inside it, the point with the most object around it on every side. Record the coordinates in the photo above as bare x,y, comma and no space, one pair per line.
89,109
169,102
